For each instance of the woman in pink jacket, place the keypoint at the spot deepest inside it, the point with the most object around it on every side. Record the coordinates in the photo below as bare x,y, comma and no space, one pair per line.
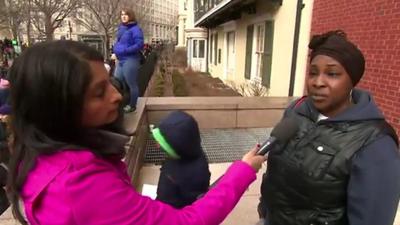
66,170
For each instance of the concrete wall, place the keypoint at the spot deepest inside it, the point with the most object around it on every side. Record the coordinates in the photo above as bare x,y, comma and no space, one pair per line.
374,27
221,112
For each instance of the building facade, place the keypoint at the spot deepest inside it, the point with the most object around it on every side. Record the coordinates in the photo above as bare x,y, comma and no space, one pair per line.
193,39
163,21
374,27
255,41
183,13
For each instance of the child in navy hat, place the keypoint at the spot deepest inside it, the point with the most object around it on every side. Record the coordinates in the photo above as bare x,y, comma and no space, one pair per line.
185,174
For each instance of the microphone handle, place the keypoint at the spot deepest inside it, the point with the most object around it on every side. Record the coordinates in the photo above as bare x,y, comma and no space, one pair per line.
264,149
267,146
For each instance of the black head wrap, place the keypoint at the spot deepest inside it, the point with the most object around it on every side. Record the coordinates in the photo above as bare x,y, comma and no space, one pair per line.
336,45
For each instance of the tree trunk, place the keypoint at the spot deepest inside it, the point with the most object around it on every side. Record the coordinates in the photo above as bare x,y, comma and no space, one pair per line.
13,28
14,31
28,25
107,46
48,28
49,35
28,32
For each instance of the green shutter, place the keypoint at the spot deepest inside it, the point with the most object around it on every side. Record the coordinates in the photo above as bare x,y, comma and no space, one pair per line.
210,48
249,50
267,56
215,48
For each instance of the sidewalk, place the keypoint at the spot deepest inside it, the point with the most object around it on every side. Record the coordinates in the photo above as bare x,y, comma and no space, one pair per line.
245,210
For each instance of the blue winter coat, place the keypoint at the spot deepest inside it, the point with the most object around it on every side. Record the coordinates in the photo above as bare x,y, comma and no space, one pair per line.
129,42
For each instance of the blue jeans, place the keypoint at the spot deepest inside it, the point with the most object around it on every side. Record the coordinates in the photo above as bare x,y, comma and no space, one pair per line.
128,71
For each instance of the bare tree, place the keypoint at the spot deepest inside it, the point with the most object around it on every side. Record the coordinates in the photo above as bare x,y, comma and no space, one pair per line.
28,23
49,14
3,19
101,17
12,14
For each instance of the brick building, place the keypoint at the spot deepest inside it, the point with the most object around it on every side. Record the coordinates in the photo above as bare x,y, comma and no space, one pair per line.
375,27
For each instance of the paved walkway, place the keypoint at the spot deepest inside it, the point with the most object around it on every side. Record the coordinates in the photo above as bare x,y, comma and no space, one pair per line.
243,212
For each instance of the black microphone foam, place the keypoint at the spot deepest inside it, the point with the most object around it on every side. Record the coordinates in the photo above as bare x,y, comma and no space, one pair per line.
281,134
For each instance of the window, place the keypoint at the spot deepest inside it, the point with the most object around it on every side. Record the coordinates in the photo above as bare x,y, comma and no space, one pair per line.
211,43
201,48
194,48
249,51
259,51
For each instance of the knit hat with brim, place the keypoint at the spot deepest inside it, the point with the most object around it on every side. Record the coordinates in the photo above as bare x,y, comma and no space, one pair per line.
179,136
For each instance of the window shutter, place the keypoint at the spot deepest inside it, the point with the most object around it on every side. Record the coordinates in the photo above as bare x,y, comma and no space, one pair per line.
215,48
249,50
267,56
210,47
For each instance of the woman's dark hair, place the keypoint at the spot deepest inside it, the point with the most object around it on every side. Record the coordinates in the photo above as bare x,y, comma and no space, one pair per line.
48,84
130,13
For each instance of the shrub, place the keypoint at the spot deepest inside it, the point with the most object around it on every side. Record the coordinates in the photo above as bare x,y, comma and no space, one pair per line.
159,85
250,88
180,57
179,84
189,72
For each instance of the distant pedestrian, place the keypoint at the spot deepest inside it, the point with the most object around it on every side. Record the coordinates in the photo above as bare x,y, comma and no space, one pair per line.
127,50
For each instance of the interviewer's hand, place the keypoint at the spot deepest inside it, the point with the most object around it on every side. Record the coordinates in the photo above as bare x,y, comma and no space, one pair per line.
253,159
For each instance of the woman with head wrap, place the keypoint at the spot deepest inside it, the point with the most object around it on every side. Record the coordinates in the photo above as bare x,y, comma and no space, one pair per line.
342,167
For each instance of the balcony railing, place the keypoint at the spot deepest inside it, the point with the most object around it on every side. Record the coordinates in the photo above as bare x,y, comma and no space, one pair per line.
201,7
211,13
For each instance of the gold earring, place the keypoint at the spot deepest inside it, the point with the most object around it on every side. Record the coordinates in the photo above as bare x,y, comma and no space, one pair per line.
351,96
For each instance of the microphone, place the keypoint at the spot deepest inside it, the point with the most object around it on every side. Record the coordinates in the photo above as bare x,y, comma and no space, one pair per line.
281,134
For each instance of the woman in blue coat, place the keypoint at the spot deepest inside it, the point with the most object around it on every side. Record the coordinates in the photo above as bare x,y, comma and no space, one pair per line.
127,50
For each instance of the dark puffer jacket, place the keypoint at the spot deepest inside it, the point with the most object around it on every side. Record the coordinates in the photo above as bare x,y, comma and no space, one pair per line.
182,180
333,170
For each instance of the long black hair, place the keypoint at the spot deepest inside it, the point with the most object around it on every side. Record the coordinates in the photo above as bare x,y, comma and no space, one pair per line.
48,85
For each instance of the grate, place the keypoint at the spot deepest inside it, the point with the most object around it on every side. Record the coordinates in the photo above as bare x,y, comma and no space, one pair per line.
220,145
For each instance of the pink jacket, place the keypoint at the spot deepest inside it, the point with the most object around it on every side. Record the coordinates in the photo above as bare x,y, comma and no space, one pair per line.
77,187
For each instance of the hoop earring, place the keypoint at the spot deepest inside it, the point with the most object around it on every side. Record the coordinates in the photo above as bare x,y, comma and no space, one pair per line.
351,96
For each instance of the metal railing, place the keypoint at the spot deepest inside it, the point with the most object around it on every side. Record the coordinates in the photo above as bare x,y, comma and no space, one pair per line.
201,7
